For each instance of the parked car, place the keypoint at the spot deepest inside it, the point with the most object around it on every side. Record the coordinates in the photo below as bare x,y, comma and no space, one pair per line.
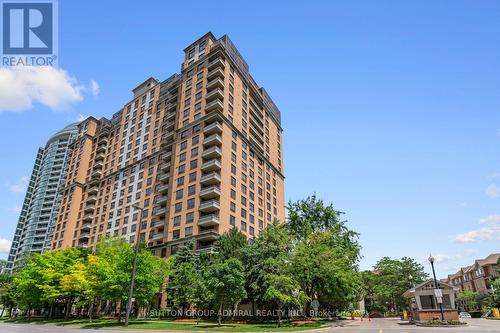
464,315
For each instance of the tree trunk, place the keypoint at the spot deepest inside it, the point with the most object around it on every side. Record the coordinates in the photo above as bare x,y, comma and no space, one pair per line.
220,312
51,311
91,308
279,316
68,308
29,314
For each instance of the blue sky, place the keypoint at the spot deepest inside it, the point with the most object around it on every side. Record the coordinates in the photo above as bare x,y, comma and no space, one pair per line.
391,110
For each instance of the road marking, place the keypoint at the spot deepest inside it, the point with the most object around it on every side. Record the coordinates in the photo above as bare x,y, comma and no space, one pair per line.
380,331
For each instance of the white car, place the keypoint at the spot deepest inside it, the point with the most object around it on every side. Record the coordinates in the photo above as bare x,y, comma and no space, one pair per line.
464,314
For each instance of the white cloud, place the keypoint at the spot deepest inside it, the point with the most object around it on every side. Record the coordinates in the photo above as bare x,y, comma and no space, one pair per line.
16,209
489,230
5,245
20,186
441,258
94,88
492,191
20,87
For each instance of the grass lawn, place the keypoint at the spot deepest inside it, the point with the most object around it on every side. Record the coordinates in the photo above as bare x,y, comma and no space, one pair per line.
178,326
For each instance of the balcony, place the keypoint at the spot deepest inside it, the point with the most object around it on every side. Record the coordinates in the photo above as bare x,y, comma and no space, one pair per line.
170,115
167,138
86,226
215,105
156,236
99,157
206,249
162,201
209,206
97,174
256,142
217,72
212,140
103,140
208,235
213,128
210,192
99,165
167,156
84,235
157,223
89,208
163,189
256,112
88,217
93,190
165,166
215,83
161,211
92,199
212,152
100,149
208,220
214,94
164,177
210,179
212,165
172,106
169,126
218,62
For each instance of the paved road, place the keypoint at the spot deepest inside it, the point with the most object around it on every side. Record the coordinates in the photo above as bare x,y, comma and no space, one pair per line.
374,326
396,326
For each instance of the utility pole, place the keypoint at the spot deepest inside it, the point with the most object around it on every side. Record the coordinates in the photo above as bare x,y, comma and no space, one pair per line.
134,265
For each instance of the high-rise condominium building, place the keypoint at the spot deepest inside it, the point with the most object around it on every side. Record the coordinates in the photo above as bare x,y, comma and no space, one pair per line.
199,153
40,207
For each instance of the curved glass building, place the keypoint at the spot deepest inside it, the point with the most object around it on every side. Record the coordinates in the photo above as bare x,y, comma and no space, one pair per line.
41,203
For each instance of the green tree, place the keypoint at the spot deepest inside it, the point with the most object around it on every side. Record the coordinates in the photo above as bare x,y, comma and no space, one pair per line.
260,258
393,277
468,298
111,267
226,281
7,293
325,265
311,215
231,244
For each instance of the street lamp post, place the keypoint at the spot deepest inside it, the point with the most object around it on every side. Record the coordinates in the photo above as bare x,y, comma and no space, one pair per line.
431,260
134,265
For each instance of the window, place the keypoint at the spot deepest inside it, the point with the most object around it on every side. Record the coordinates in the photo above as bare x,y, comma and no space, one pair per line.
232,220
177,221
189,217
178,207
190,204
188,231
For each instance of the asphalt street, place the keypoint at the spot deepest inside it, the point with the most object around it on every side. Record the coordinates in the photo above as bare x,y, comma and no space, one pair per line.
373,326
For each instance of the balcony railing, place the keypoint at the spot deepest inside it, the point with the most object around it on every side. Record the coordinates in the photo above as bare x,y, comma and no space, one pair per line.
215,105
213,128
219,62
214,94
210,192
212,152
217,72
215,83
208,220
211,165
165,166
212,140
211,179
209,206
